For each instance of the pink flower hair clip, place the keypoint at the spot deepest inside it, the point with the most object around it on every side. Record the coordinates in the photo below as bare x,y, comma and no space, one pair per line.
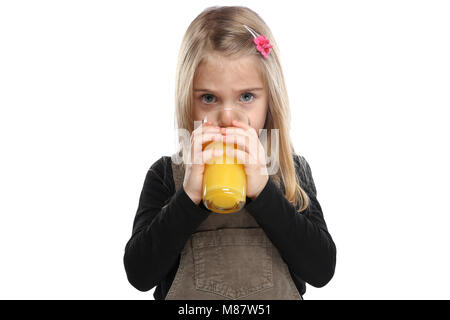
261,42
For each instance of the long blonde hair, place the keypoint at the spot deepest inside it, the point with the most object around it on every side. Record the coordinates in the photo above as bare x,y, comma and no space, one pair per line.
220,29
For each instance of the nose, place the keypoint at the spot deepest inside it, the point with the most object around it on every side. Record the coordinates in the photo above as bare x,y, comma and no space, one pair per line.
225,117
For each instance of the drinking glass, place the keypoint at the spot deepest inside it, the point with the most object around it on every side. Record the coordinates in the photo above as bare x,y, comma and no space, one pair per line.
224,179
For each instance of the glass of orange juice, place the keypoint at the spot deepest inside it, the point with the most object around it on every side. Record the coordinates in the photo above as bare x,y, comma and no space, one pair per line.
224,179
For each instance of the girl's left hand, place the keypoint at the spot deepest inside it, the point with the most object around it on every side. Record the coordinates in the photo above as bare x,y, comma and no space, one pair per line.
250,153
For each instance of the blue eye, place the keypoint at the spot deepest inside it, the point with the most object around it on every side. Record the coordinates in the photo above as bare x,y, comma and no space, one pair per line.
247,96
207,95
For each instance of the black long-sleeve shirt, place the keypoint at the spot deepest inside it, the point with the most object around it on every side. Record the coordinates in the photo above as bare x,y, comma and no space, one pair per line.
152,254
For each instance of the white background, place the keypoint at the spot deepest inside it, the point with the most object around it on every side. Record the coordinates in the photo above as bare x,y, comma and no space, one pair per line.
87,105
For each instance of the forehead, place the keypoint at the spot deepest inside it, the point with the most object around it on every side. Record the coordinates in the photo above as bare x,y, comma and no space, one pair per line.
219,71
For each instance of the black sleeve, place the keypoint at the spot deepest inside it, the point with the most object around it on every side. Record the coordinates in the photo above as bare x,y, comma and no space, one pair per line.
301,238
163,223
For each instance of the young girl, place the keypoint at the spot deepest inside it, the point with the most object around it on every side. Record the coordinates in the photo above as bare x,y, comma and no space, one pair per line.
279,240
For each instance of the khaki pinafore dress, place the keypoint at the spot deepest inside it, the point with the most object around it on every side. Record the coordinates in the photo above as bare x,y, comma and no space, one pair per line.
230,257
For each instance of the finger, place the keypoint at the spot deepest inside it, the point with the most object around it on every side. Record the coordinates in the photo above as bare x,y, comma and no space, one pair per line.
244,126
206,137
242,142
205,128
209,156
249,144
196,137
240,124
236,130
241,156
198,142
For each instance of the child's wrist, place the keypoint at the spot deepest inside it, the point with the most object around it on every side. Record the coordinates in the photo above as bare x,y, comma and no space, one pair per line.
194,199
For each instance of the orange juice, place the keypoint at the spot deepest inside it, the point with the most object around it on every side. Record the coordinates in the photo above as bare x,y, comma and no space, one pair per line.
224,183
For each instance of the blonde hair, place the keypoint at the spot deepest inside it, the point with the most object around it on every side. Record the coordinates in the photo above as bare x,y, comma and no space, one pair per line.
220,29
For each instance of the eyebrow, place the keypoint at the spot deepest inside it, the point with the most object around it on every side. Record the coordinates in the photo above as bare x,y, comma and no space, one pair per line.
247,89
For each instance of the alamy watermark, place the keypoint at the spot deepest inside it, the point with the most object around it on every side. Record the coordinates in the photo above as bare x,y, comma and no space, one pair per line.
257,148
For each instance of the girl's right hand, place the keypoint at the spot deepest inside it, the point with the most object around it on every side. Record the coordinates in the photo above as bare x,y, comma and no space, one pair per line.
193,177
